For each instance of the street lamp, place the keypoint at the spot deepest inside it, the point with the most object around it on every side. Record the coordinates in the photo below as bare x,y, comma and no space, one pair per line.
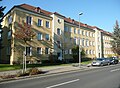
79,42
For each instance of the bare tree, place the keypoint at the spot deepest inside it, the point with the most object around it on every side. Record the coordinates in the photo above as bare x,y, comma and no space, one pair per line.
24,32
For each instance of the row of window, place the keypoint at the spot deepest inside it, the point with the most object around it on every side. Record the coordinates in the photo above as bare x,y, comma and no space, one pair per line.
108,52
39,50
90,51
83,32
87,51
107,45
83,42
29,20
40,36
106,38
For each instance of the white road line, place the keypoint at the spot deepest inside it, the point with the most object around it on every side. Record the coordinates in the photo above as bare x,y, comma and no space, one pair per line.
63,83
114,70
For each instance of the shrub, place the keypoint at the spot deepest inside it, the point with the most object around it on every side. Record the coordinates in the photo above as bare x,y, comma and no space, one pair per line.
20,73
34,71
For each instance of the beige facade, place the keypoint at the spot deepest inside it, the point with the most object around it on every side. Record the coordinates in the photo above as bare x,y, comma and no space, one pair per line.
107,46
55,34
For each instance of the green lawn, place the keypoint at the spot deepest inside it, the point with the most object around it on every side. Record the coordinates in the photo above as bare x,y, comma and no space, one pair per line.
7,67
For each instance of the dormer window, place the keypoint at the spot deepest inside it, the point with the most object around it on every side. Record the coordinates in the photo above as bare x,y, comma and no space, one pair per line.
37,9
73,21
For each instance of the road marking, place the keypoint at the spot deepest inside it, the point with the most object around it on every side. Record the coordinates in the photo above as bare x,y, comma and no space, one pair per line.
63,83
115,70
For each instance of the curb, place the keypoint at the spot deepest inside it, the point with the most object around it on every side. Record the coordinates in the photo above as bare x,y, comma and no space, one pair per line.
46,74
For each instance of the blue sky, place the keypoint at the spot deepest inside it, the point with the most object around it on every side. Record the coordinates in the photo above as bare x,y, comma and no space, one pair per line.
100,13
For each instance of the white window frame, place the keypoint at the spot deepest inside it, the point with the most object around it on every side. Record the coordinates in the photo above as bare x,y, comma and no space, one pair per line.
40,22
29,20
9,34
29,53
47,24
39,50
8,50
39,36
58,31
47,51
48,37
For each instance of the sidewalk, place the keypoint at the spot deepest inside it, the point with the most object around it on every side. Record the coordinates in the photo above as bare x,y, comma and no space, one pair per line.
51,70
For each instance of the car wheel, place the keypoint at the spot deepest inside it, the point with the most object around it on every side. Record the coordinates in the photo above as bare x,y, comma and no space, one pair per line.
108,63
101,64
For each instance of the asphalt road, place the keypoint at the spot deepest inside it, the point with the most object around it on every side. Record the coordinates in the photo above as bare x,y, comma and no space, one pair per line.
103,77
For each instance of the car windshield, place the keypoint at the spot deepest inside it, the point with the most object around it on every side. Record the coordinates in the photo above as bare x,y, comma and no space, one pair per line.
99,59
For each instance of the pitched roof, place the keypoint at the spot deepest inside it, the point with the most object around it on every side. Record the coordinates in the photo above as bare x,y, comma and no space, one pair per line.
33,9
72,21
38,10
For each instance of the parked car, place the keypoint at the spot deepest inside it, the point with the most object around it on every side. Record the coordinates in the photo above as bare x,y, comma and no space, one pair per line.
100,62
113,60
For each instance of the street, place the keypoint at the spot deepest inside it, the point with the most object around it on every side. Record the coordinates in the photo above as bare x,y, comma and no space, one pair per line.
103,77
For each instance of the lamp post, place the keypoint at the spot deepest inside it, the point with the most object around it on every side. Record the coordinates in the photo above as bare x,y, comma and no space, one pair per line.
79,42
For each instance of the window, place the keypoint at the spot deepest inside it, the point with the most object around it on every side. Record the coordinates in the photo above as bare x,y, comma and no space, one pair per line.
82,32
29,20
39,50
8,50
74,30
93,43
9,34
87,33
47,37
93,34
0,34
59,44
47,24
78,41
78,31
10,19
58,54
40,22
29,51
46,50
83,42
90,51
75,40
66,51
65,29
87,52
58,31
39,36
70,51
87,42
70,29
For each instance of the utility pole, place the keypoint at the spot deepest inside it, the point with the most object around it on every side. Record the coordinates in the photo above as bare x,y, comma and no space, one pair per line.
79,42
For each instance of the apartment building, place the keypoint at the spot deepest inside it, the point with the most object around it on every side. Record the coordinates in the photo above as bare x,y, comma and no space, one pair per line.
55,34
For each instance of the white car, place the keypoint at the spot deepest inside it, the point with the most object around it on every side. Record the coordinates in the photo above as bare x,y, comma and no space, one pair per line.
100,62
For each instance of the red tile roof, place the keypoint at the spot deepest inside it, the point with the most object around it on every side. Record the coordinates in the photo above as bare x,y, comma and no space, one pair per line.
69,20
33,9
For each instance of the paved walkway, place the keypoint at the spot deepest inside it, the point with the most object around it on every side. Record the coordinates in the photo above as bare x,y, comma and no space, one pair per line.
50,69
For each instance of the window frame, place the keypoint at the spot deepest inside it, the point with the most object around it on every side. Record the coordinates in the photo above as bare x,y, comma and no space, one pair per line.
47,24
39,36
40,22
